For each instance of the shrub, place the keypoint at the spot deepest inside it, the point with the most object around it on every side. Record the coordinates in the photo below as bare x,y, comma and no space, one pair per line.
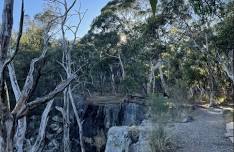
160,141
159,106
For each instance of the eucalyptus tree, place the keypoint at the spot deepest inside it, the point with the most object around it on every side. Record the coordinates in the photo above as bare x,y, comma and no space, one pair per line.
109,34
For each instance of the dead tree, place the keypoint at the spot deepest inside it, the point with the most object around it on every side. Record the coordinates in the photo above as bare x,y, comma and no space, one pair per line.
8,117
38,145
67,66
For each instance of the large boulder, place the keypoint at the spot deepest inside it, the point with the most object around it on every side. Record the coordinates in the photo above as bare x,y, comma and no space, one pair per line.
129,139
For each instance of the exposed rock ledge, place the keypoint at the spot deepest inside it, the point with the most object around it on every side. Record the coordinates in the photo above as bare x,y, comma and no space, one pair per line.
129,139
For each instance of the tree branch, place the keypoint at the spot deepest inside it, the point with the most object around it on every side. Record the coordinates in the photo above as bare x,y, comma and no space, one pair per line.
19,34
38,145
39,101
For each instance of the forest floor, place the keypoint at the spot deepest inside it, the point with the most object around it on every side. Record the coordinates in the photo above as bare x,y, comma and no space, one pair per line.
204,134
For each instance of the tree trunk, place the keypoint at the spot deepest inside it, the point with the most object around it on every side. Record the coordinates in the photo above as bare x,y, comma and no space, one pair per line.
211,93
78,120
112,80
122,67
164,85
39,143
153,88
150,78
6,119
66,123
22,123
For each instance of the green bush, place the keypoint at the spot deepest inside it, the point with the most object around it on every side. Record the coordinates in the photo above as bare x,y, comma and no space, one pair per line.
159,106
160,141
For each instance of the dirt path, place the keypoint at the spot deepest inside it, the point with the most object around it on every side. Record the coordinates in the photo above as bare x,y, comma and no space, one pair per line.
204,134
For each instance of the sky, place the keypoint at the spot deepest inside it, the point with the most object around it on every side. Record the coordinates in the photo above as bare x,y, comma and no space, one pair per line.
33,7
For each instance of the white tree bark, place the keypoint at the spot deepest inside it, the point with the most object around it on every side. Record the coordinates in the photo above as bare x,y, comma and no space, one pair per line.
118,56
66,123
22,123
66,64
122,67
164,85
112,80
151,75
7,117
39,143
78,120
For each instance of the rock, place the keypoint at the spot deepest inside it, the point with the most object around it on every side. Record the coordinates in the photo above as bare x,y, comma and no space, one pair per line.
232,139
56,128
49,136
118,140
230,130
52,146
229,134
215,110
111,113
230,126
129,139
102,117
132,114
56,118
187,119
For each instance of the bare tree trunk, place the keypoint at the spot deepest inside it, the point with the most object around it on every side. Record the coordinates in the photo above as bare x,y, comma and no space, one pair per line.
22,123
150,78
122,67
153,88
211,93
9,118
67,65
164,85
78,120
66,123
39,143
112,80
151,75
6,119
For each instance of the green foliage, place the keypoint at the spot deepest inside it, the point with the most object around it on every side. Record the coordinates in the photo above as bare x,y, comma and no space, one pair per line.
179,92
32,38
225,30
160,141
149,38
153,4
205,8
159,106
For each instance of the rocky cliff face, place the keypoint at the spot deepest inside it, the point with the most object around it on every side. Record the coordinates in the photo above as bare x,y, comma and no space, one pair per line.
97,119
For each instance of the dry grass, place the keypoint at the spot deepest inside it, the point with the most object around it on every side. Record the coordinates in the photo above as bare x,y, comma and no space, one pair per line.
160,141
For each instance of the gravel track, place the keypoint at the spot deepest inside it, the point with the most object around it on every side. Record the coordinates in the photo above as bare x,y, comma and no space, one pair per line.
204,134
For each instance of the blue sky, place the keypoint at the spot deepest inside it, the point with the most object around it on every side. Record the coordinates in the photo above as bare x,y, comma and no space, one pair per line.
33,7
